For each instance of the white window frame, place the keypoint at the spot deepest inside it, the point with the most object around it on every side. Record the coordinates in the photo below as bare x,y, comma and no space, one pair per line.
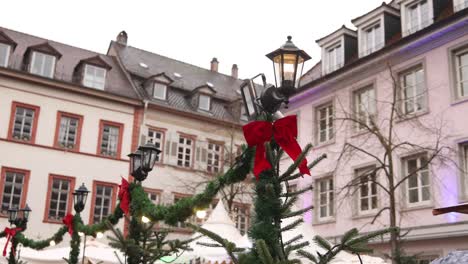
65,134
338,59
101,206
214,158
329,203
406,21
14,184
184,144
112,141
60,193
161,85
329,122
377,40
41,73
22,134
7,47
92,80
419,183
157,195
241,214
158,142
464,165
369,185
364,113
202,107
459,5
413,99
456,58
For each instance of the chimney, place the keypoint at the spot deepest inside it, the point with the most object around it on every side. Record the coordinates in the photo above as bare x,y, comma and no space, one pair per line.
214,65
235,71
122,38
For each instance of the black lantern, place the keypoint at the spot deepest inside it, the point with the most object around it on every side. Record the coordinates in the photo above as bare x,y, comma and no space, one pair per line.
288,63
135,166
149,153
12,215
79,198
135,161
24,213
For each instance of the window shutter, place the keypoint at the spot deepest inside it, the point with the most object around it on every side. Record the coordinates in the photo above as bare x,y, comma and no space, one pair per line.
168,147
142,139
197,154
174,149
204,155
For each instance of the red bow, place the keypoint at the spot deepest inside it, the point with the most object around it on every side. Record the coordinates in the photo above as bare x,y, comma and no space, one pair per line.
124,196
284,131
68,221
10,232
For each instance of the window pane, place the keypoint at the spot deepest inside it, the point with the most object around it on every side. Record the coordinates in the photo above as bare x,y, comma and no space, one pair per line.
12,190
4,54
102,202
159,91
42,64
184,157
23,124
68,132
94,77
59,198
204,102
110,140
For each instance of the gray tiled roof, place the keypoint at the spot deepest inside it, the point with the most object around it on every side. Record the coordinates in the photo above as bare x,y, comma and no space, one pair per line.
226,87
192,76
116,82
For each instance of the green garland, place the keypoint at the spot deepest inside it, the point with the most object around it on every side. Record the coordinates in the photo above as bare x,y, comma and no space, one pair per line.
141,206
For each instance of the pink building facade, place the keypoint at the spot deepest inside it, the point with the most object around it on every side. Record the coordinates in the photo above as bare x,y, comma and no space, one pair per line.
411,56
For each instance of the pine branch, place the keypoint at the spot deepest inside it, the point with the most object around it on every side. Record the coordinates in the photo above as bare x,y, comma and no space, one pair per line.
322,243
307,255
209,244
296,163
296,247
292,225
298,212
310,166
294,239
297,193
263,252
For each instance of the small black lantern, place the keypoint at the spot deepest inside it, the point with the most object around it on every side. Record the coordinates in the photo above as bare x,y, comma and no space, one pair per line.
135,161
135,166
24,213
149,153
288,63
12,215
79,198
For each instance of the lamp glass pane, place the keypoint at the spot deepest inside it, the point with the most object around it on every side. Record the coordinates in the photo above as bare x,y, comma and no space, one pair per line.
248,100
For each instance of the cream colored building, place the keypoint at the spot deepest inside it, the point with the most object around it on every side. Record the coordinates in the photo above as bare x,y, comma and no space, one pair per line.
70,116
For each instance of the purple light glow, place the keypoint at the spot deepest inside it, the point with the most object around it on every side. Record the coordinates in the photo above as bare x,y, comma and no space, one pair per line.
449,192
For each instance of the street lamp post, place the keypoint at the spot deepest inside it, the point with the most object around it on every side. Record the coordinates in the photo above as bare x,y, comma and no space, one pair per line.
79,198
288,63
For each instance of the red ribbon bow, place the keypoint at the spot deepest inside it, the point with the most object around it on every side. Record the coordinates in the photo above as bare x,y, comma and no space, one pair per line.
68,221
124,196
10,232
284,131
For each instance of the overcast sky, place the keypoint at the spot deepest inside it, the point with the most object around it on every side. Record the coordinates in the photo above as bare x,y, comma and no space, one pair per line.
193,31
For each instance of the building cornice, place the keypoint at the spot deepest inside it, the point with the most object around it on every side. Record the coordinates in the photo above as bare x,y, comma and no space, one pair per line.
58,84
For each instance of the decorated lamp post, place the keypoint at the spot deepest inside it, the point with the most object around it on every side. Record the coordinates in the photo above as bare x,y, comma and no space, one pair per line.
19,218
288,63
79,198
142,161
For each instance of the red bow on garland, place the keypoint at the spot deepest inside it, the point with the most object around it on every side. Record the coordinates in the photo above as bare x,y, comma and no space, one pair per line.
10,232
124,196
68,221
284,131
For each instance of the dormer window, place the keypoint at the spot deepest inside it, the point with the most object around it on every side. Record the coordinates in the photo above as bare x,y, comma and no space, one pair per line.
159,91
460,4
372,39
416,16
204,102
4,54
42,64
94,77
334,57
